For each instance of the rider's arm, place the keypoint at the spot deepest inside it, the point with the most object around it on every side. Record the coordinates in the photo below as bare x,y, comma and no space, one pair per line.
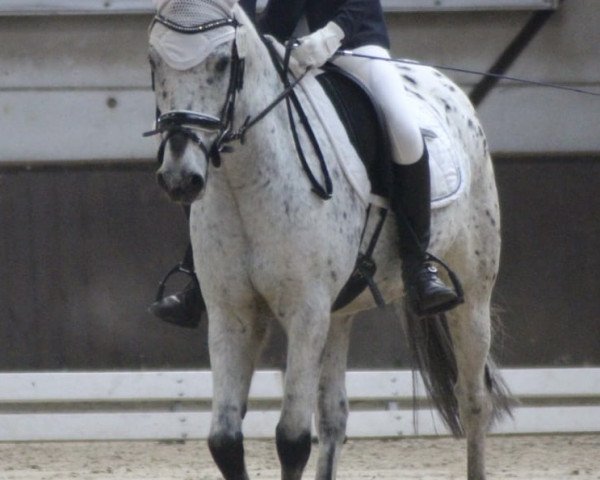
352,15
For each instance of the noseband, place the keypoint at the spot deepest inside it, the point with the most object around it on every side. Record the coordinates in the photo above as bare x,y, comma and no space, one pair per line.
183,122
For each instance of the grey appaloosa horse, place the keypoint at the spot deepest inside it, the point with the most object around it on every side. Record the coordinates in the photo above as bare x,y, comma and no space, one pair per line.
267,247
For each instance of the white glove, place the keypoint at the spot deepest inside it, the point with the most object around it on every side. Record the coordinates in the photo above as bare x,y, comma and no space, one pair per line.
318,47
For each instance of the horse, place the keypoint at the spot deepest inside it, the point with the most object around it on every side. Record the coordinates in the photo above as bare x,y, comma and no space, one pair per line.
267,248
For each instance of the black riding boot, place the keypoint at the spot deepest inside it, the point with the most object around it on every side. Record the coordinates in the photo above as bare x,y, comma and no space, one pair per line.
186,307
411,202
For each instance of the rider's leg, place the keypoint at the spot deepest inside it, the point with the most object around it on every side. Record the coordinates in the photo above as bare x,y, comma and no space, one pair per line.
411,201
186,307
411,195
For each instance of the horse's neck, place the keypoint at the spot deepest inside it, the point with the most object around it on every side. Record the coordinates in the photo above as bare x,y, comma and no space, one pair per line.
261,82
264,143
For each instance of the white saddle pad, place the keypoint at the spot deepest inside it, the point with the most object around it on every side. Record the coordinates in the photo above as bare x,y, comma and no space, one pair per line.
446,174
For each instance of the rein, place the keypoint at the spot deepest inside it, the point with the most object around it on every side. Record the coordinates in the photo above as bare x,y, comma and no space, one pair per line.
325,191
183,122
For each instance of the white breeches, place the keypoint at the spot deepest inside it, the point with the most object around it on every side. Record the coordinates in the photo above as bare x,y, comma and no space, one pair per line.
382,80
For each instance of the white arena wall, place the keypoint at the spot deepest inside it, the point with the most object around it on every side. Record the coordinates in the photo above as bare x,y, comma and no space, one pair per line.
171,405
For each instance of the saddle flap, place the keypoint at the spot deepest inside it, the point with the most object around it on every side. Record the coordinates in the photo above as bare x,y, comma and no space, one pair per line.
364,124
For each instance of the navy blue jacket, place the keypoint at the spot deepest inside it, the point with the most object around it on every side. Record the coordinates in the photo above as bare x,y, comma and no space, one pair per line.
249,7
361,20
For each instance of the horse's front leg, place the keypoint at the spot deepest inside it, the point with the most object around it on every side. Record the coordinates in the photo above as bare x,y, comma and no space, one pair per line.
235,339
307,325
332,412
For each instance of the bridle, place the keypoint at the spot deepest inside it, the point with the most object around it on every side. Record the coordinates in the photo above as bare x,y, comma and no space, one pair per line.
184,122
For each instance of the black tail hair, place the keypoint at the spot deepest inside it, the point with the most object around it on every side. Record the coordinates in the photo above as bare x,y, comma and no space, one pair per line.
433,355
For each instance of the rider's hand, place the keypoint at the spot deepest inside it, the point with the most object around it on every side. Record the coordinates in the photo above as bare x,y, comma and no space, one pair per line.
318,47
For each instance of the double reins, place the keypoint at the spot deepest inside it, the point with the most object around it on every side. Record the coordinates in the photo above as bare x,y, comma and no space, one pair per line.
293,104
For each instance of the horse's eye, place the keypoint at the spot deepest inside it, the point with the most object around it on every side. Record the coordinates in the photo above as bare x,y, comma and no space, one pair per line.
221,64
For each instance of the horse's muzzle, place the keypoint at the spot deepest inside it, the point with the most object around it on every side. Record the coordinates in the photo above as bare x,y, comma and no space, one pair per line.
183,188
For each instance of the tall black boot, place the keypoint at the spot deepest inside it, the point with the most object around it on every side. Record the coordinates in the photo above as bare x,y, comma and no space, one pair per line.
184,308
411,202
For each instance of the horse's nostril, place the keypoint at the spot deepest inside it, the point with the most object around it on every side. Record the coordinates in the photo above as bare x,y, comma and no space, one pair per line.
197,181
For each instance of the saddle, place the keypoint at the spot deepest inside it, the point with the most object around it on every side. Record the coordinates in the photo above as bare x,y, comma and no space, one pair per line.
364,123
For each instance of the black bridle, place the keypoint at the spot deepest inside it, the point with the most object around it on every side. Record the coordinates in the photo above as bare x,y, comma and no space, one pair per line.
183,122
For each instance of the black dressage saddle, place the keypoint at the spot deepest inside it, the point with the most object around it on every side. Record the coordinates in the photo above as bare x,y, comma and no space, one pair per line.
364,124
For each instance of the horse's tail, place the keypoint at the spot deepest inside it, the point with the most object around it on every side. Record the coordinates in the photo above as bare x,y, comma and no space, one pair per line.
433,355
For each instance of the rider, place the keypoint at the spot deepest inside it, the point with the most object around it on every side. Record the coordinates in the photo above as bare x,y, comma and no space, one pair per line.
358,25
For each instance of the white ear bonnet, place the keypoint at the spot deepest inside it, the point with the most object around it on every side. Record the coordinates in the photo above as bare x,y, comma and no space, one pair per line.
182,51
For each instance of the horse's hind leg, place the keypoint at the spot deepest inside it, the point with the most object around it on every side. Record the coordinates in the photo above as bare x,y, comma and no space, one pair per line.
471,337
307,326
332,412
234,343
470,324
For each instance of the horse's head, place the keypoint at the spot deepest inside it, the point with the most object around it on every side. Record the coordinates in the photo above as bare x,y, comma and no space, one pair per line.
196,70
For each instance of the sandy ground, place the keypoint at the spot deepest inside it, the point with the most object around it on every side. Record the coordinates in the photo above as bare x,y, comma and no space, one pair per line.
564,457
